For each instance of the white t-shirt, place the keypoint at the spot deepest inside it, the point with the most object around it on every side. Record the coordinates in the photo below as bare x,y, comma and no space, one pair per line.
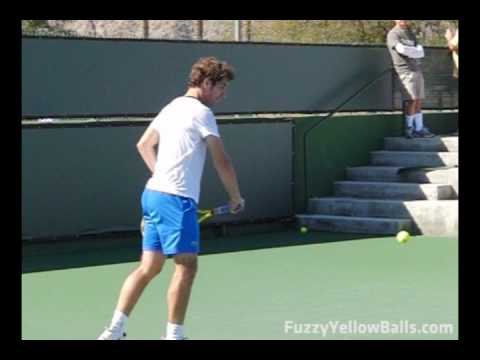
182,126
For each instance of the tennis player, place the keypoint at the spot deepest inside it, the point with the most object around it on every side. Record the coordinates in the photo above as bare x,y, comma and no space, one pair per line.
183,131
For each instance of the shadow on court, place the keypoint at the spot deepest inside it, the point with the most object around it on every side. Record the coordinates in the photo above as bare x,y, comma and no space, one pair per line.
114,249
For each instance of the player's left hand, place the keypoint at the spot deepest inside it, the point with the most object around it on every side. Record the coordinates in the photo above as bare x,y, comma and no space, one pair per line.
237,205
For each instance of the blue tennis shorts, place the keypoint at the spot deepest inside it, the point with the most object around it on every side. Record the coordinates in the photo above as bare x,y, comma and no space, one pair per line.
171,225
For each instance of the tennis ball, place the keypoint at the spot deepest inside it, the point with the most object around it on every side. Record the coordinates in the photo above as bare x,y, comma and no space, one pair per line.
303,229
403,236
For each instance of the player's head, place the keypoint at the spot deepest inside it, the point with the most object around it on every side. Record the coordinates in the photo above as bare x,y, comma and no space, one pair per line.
211,76
401,23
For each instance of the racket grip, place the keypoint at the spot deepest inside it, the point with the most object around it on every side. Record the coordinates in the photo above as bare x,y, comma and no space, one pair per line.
222,210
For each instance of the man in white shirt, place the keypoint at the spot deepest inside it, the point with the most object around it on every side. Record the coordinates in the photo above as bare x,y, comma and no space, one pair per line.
183,131
406,54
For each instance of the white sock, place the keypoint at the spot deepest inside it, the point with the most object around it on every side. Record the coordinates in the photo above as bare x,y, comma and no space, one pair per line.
410,120
418,121
119,320
174,331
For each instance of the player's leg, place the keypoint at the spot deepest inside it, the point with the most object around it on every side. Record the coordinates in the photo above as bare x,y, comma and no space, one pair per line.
153,256
183,244
150,265
178,295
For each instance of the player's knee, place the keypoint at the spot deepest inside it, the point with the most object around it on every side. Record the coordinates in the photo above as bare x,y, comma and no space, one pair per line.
150,271
186,267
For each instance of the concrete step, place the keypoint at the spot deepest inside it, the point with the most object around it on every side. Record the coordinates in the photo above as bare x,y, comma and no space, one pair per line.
436,144
414,158
360,225
388,190
391,174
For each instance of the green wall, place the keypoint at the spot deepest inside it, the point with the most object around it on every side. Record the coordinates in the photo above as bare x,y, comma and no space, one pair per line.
89,179
103,77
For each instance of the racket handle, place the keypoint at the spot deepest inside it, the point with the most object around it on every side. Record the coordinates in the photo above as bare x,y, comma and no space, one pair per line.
222,210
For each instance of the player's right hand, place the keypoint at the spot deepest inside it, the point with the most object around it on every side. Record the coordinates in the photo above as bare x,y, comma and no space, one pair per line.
237,205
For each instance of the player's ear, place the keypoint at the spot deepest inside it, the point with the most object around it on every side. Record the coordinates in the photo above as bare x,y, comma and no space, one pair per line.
207,83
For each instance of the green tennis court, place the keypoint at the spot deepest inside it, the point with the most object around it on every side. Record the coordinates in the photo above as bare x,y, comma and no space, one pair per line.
281,285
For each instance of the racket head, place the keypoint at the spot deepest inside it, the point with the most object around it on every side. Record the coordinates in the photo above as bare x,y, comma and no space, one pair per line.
204,215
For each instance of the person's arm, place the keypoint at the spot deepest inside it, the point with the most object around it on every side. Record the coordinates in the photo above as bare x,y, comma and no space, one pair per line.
452,39
226,172
413,52
146,146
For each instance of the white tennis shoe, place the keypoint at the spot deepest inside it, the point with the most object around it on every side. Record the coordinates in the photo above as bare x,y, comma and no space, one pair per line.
112,334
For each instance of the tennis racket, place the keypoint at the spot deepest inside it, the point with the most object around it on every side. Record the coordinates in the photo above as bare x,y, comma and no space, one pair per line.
203,215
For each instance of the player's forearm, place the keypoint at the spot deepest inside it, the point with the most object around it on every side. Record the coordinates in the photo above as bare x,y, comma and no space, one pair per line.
227,175
148,155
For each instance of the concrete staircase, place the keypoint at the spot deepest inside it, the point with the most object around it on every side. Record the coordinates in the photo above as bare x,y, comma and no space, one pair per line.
386,197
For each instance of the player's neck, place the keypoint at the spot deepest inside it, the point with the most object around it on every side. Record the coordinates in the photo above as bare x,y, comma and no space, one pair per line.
195,93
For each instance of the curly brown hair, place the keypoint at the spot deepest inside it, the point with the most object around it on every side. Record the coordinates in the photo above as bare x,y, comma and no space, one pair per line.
210,68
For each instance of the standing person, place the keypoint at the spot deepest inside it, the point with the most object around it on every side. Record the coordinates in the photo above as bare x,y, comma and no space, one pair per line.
406,54
452,43
183,131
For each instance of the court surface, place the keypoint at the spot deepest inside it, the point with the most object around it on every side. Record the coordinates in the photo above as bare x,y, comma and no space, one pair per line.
281,285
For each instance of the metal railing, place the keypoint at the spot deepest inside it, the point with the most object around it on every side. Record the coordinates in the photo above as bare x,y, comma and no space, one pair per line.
330,114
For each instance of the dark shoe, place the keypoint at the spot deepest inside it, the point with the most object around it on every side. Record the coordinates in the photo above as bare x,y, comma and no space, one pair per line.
409,132
425,133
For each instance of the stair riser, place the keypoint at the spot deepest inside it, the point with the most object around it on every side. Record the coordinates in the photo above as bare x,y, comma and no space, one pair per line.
430,211
350,208
373,174
357,226
433,160
434,145
449,176
393,192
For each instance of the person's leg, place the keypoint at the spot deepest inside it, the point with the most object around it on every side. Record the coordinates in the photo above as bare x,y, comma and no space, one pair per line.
418,115
409,118
180,237
418,106
420,129
419,92
179,293
150,265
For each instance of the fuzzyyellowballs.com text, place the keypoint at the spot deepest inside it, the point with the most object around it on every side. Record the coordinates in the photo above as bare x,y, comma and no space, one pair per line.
354,327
